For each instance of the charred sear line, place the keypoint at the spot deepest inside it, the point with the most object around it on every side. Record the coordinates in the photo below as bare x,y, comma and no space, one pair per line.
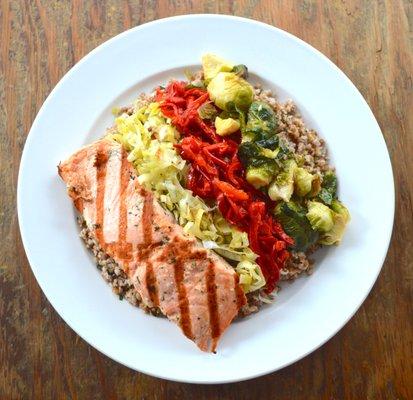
151,285
179,251
100,165
240,297
212,302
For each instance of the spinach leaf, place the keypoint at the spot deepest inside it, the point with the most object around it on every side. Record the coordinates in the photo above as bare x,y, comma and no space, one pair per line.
292,217
328,190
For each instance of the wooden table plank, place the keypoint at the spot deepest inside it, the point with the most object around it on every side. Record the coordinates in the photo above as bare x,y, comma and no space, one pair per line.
371,358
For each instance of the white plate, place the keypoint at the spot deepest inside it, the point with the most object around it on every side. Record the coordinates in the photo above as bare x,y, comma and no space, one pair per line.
308,312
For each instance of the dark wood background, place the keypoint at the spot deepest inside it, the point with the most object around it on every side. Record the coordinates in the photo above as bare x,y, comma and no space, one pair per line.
371,358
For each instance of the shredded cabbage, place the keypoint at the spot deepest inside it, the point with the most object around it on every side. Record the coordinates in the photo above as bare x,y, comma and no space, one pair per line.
149,138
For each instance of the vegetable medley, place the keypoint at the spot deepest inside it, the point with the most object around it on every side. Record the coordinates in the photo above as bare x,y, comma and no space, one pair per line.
212,155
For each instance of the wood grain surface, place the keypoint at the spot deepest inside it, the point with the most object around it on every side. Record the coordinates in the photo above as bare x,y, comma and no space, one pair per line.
371,357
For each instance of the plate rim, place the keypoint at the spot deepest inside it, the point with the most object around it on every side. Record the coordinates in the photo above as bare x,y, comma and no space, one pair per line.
119,36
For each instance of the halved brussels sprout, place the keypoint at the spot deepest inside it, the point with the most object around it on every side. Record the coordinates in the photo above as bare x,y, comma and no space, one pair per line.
339,208
258,162
315,186
230,92
341,217
259,176
320,216
212,65
282,187
303,181
226,126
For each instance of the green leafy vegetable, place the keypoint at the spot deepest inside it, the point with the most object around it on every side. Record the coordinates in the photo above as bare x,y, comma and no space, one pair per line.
292,217
262,122
328,190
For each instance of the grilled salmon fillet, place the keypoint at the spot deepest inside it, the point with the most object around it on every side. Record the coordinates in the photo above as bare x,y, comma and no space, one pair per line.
191,285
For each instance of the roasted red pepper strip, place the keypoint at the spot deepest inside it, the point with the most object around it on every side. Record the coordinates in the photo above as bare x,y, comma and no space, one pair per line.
230,191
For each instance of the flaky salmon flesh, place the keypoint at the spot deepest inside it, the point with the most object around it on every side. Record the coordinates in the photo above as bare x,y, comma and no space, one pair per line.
192,286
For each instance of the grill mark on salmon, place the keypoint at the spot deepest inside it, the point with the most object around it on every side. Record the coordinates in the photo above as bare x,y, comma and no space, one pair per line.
200,291
240,296
147,214
185,320
150,278
178,253
212,303
100,164
125,248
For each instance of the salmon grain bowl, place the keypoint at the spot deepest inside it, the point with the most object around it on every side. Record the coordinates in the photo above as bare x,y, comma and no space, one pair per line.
202,197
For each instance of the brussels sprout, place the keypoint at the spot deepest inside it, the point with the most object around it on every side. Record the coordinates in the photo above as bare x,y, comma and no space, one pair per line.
262,123
212,65
315,186
292,217
259,163
283,186
341,217
241,70
207,111
303,181
328,190
248,152
226,126
230,92
340,208
320,216
270,153
259,176
271,143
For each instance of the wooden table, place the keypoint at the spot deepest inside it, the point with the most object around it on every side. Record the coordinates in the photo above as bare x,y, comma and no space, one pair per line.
371,357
